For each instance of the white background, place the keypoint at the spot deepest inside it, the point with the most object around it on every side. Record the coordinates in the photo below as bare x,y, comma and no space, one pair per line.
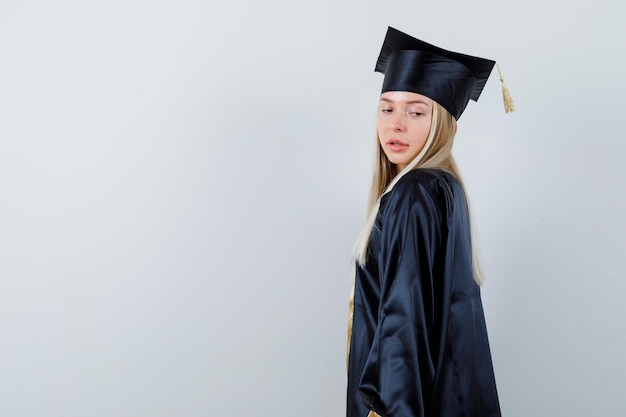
181,183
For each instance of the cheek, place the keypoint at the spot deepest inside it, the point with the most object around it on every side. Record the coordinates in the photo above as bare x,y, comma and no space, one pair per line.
425,133
420,133
380,141
427,130
379,125
379,130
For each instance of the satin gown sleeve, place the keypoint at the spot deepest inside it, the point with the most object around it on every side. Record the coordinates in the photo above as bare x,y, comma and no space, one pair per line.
419,340
401,356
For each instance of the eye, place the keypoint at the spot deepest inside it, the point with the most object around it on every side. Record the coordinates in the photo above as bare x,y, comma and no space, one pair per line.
386,110
415,112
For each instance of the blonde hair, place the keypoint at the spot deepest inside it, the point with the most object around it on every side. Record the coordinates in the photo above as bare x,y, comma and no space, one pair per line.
436,153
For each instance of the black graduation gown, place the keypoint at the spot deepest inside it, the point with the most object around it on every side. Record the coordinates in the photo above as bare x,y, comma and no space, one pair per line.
418,346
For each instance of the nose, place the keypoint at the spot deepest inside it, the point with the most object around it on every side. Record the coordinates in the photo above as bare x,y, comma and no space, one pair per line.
397,122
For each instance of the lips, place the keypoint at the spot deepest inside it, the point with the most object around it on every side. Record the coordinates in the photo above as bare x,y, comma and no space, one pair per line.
396,145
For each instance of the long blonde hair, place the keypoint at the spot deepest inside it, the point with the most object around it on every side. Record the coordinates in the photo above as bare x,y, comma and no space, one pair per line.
437,153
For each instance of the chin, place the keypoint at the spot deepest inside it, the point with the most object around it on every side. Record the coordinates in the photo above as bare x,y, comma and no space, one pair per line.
398,161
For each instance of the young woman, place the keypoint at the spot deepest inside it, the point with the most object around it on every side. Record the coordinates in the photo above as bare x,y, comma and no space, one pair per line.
418,342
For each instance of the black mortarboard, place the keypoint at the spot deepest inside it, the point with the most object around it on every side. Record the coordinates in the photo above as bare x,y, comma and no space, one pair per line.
449,78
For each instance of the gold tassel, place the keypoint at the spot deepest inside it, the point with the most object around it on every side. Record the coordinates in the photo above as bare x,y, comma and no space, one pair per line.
506,96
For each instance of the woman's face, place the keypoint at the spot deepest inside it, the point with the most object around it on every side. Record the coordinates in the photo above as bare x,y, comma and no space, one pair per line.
403,125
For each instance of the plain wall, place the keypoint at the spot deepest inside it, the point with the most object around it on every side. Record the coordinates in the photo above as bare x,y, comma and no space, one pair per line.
181,183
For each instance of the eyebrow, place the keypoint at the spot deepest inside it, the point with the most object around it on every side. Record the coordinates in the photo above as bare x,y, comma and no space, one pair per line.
405,102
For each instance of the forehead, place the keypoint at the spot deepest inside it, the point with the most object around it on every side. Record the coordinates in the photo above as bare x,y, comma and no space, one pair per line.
405,97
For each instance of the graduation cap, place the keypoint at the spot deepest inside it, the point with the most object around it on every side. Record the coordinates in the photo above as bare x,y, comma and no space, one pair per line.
449,78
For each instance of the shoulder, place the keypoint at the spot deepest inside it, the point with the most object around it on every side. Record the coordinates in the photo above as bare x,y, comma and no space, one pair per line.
436,184
422,199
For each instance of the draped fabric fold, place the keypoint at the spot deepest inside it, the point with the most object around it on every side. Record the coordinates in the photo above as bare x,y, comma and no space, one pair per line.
418,343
